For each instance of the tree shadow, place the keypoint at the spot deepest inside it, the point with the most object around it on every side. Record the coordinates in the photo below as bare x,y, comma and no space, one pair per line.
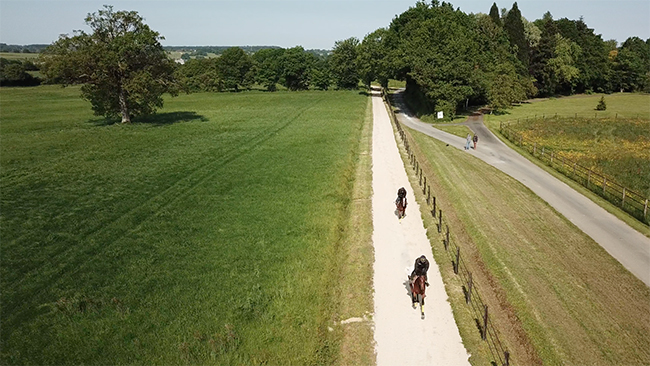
158,119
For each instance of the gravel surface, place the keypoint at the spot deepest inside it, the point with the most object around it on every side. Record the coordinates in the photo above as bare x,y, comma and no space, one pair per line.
401,336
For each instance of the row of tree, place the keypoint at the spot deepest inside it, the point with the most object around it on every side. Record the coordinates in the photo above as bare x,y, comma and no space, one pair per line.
449,59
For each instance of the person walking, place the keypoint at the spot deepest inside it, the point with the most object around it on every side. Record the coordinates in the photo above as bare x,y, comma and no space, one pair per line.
475,139
469,140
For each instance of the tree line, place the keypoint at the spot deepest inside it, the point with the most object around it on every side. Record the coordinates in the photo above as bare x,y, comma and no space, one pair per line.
450,59
447,58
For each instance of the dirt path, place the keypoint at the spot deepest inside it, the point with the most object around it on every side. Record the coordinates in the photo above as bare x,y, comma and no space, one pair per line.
628,246
401,337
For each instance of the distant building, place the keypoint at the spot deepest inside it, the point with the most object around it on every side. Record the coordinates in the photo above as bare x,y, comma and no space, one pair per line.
180,61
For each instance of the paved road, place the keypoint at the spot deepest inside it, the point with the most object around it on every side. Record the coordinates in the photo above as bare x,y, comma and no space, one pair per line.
401,337
628,246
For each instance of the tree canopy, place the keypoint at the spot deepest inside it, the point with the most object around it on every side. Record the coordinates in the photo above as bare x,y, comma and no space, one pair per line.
121,64
343,63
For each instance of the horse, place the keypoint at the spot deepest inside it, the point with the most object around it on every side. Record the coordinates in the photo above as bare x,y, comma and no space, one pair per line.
401,207
418,288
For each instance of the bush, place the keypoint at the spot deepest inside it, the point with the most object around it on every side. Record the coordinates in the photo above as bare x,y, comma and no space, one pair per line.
601,105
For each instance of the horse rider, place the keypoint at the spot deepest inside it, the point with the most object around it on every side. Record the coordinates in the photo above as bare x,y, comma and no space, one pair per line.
420,269
401,198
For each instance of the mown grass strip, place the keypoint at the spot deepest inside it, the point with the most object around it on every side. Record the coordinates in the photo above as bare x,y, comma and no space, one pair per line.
357,346
209,234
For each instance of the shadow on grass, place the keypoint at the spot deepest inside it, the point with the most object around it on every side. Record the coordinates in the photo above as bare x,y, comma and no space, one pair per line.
158,119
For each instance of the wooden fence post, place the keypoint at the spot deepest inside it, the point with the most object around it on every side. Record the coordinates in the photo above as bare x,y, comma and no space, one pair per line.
588,177
485,320
420,178
521,137
535,148
425,185
551,157
645,208
433,212
468,298
623,200
457,260
447,237
429,196
542,150
506,355
604,184
439,221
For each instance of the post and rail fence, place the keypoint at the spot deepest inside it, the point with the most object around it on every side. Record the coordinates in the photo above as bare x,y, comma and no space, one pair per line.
477,304
628,200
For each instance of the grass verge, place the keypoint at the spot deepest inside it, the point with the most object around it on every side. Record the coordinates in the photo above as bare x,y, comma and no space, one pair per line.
357,347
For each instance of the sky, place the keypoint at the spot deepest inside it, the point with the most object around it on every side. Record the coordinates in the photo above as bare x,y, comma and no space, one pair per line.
313,24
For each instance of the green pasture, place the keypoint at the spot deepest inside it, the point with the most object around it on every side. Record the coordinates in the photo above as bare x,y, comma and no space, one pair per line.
555,296
619,148
615,142
18,56
210,233
623,105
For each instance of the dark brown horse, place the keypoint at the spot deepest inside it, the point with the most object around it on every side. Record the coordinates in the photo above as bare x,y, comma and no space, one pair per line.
401,207
418,288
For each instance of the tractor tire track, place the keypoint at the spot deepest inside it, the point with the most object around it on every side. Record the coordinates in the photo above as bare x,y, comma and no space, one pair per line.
141,214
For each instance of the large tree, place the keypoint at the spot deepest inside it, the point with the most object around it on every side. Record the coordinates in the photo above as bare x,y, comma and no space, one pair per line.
122,64
296,65
268,67
235,68
343,63
514,28
372,58
494,14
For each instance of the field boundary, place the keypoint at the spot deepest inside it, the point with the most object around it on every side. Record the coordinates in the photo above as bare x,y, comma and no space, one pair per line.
473,299
626,199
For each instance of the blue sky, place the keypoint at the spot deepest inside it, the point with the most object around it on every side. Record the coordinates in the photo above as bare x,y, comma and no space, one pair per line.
288,23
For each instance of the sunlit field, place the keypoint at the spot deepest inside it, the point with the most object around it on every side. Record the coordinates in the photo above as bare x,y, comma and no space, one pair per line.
209,233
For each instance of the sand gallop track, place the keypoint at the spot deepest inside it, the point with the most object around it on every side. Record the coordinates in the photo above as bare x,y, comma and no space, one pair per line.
401,337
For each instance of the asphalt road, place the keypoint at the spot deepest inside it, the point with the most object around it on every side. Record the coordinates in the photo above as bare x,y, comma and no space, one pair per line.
628,246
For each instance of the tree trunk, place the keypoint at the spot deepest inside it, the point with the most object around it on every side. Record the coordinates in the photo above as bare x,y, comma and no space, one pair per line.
124,109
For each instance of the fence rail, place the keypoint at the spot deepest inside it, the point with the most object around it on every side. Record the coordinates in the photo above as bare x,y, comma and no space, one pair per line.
478,306
628,200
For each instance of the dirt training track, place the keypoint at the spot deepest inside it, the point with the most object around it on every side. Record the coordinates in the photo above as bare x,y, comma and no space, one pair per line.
628,246
401,337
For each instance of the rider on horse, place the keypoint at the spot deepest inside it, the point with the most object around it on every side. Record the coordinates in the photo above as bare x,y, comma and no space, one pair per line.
401,200
420,269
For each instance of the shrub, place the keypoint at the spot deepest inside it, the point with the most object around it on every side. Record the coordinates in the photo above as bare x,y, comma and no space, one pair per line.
601,105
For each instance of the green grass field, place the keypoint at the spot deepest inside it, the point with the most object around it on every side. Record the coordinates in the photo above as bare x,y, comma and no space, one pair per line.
625,105
556,296
210,234
18,56
619,148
